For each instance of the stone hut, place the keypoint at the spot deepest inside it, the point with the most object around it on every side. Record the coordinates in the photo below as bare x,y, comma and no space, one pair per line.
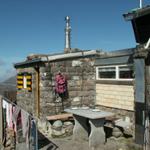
95,78
36,81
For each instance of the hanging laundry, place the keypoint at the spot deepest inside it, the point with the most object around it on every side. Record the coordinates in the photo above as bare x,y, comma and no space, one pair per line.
10,124
16,111
25,126
6,106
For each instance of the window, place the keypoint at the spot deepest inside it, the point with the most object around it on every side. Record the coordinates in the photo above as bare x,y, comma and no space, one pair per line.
24,81
108,72
119,72
126,72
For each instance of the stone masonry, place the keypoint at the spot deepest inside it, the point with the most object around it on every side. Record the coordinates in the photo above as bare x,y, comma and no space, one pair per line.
80,74
25,99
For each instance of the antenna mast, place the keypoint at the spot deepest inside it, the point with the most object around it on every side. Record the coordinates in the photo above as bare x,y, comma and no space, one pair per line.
141,3
67,34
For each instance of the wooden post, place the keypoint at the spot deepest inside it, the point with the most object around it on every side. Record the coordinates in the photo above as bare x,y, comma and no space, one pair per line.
37,93
1,120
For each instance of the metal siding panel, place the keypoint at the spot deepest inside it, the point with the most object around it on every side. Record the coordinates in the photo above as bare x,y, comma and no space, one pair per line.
139,134
113,60
139,80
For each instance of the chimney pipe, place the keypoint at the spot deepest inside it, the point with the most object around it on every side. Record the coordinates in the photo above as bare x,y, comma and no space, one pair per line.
67,35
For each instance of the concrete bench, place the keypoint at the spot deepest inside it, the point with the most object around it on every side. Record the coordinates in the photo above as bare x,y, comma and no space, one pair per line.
64,116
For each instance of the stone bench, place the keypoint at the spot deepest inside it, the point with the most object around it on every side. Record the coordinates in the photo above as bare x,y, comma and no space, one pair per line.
64,116
110,121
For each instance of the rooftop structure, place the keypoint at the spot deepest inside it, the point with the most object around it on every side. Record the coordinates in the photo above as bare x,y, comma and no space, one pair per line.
139,18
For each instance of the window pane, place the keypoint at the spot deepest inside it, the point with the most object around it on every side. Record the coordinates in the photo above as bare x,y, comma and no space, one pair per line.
126,72
107,72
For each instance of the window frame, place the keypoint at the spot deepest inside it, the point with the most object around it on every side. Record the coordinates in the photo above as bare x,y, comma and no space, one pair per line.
24,81
117,78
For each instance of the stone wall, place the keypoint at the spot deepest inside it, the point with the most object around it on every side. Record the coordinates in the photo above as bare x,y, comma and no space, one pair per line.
115,96
80,74
26,99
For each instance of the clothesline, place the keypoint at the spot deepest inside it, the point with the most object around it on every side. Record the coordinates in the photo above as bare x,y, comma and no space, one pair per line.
5,99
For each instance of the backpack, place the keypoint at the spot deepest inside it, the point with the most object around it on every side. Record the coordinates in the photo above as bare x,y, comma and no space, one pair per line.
60,84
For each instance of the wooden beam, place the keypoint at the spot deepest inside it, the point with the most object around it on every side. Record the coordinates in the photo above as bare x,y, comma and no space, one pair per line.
59,117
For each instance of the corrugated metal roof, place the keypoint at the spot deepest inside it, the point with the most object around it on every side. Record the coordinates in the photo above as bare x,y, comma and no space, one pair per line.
27,62
60,56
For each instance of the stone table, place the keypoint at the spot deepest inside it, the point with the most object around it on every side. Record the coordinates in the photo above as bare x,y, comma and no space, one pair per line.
89,125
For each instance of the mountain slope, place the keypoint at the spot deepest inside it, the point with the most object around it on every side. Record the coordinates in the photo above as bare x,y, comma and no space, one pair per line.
8,85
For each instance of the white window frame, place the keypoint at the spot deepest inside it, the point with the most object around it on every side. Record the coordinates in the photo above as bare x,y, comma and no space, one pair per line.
116,71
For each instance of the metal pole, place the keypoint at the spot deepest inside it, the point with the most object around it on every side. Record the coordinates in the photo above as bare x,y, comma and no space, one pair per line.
1,121
67,33
141,5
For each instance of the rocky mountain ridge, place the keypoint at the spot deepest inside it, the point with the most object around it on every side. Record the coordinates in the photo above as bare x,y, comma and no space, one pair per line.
8,85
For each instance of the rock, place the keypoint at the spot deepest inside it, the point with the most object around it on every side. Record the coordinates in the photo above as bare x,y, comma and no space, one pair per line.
56,133
69,130
77,99
57,125
8,143
68,123
76,63
68,127
128,132
117,132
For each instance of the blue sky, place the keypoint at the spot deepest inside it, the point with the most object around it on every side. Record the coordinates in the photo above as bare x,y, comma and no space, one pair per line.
37,26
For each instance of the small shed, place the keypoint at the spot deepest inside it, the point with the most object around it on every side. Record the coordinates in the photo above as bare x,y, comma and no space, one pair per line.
36,81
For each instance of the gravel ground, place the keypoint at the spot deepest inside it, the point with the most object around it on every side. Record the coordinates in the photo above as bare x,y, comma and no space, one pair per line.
69,144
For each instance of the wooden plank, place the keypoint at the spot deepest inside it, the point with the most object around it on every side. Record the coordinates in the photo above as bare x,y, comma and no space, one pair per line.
1,120
59,117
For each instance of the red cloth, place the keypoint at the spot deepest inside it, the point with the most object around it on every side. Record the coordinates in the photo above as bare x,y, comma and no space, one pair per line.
60,84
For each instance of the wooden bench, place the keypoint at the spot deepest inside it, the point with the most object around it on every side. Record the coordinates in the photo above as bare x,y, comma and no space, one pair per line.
64,116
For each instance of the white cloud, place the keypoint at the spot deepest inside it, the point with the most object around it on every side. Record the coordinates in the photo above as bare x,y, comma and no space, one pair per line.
7,69
6,73
2,62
